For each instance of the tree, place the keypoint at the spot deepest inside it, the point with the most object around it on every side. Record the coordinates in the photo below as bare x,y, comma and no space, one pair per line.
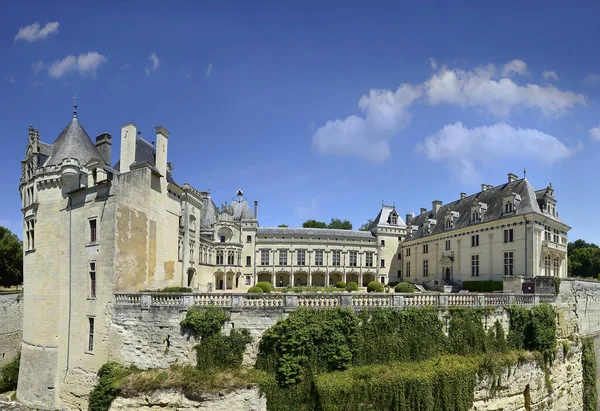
282,225
11,258
314,224
584,259
338,224
365,226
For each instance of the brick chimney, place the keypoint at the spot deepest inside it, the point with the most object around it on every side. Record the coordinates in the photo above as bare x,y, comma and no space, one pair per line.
162,144
512,177
256,209
436,205
463,195
128,136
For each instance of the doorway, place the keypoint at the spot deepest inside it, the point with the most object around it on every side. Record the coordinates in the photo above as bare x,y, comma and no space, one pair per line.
448,274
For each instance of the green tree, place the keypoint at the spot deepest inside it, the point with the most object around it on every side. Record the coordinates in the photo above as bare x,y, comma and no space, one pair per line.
283,226
11,258
365,226
338,224
314,224
584,259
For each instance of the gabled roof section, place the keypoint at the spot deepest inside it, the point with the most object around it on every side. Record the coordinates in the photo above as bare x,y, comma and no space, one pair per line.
73,142
383,218
145,153
493,197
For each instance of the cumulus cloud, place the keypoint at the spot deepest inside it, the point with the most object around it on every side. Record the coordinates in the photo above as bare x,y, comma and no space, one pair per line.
595,133
38,66
550,75
481,88
433,63
153,57
515,67
462,148
591,80
386,113
209,69
35,31
84,64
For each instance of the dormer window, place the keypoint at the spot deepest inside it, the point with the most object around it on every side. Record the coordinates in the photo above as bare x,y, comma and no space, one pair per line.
511,203
451,217
394,219
508,207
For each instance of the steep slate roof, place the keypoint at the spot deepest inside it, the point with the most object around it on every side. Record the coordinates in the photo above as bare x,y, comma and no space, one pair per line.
313,232
241,210
209,214
492,197
73,142
145,153
383,217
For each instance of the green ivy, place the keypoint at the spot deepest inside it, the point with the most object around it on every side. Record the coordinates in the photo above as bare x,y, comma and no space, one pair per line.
533,330
588,360
222,351
107,388
466,334
204,322
9,374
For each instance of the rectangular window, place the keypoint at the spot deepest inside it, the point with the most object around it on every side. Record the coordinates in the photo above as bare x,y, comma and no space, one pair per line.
382,263
248,238
91,334
318,257
447,245
264,257
30,225
230,258
93,231
335,255
556,266
508,236
399,273
475,240
555,239
475,265
352,258
508,207
368,259
408,269
92,279
408,252
508,263
399,256
383,243
425,268
301,257
425,248
283,254
248,280
547,265
219,257
248,261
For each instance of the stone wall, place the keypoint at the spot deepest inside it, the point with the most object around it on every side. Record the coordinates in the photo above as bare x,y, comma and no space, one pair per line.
11,325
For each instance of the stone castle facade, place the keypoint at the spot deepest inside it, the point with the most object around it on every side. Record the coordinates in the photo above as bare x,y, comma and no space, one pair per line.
92,228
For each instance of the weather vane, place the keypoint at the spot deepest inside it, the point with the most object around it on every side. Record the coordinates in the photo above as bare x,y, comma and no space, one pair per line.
75,106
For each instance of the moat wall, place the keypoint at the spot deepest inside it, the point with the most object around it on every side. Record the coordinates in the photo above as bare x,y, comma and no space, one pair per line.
11,325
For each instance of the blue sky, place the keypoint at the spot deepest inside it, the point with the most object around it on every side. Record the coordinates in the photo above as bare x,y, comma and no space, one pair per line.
319,109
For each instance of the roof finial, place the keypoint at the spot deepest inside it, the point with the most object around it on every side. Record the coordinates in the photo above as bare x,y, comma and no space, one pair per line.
75,106
524,173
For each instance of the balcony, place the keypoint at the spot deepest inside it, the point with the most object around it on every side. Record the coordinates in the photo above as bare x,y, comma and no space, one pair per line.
552,246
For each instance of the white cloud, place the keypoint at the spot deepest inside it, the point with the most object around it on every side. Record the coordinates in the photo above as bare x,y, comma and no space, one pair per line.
386,113
9,79
209,69
125,66
84,64
591,80
433,63
463,148
515,67
595,133
37,84
153,57
481,88
38,66
550,75
35,32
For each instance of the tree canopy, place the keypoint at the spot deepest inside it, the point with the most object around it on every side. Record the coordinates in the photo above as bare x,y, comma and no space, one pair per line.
584,259
335,223
282,226
365,226
11,258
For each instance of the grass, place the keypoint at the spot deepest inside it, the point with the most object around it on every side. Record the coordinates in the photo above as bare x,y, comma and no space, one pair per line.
192,381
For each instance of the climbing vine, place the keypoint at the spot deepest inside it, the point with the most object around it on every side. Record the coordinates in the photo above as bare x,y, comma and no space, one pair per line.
588,359
533,330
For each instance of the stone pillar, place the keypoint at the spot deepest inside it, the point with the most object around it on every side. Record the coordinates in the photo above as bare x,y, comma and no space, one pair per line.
290,302
237,302
146,300
327,278
224,280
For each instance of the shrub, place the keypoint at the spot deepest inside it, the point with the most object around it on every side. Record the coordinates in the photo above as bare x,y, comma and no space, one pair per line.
255,290
170,290
340,284
203,323
482,286
266,286
352,286
404,288
9,374
533,330
223,352
393,283
107,388
375,287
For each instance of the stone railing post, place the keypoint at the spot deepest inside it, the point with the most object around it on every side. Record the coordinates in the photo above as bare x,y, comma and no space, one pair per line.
146,300
290,302
188,301
480,301
443,301
511,299
346,301
237,302
536,299
398,301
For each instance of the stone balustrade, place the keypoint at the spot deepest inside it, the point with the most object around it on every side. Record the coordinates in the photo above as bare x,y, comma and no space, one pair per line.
356,301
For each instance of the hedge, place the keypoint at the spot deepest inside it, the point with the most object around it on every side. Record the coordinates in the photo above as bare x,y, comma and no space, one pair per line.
266,286
255,290
375,286
483,286
340,284
404,288
352,286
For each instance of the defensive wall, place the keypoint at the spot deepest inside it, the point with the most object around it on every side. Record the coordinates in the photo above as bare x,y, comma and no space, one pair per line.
11,325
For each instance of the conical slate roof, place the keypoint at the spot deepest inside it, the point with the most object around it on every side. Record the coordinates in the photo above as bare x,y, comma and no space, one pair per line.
73,142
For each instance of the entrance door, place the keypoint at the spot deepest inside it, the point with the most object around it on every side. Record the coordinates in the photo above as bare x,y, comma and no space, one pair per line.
220,284
448,274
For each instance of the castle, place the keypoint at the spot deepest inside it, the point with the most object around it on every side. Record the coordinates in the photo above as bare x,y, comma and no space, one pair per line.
92,229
